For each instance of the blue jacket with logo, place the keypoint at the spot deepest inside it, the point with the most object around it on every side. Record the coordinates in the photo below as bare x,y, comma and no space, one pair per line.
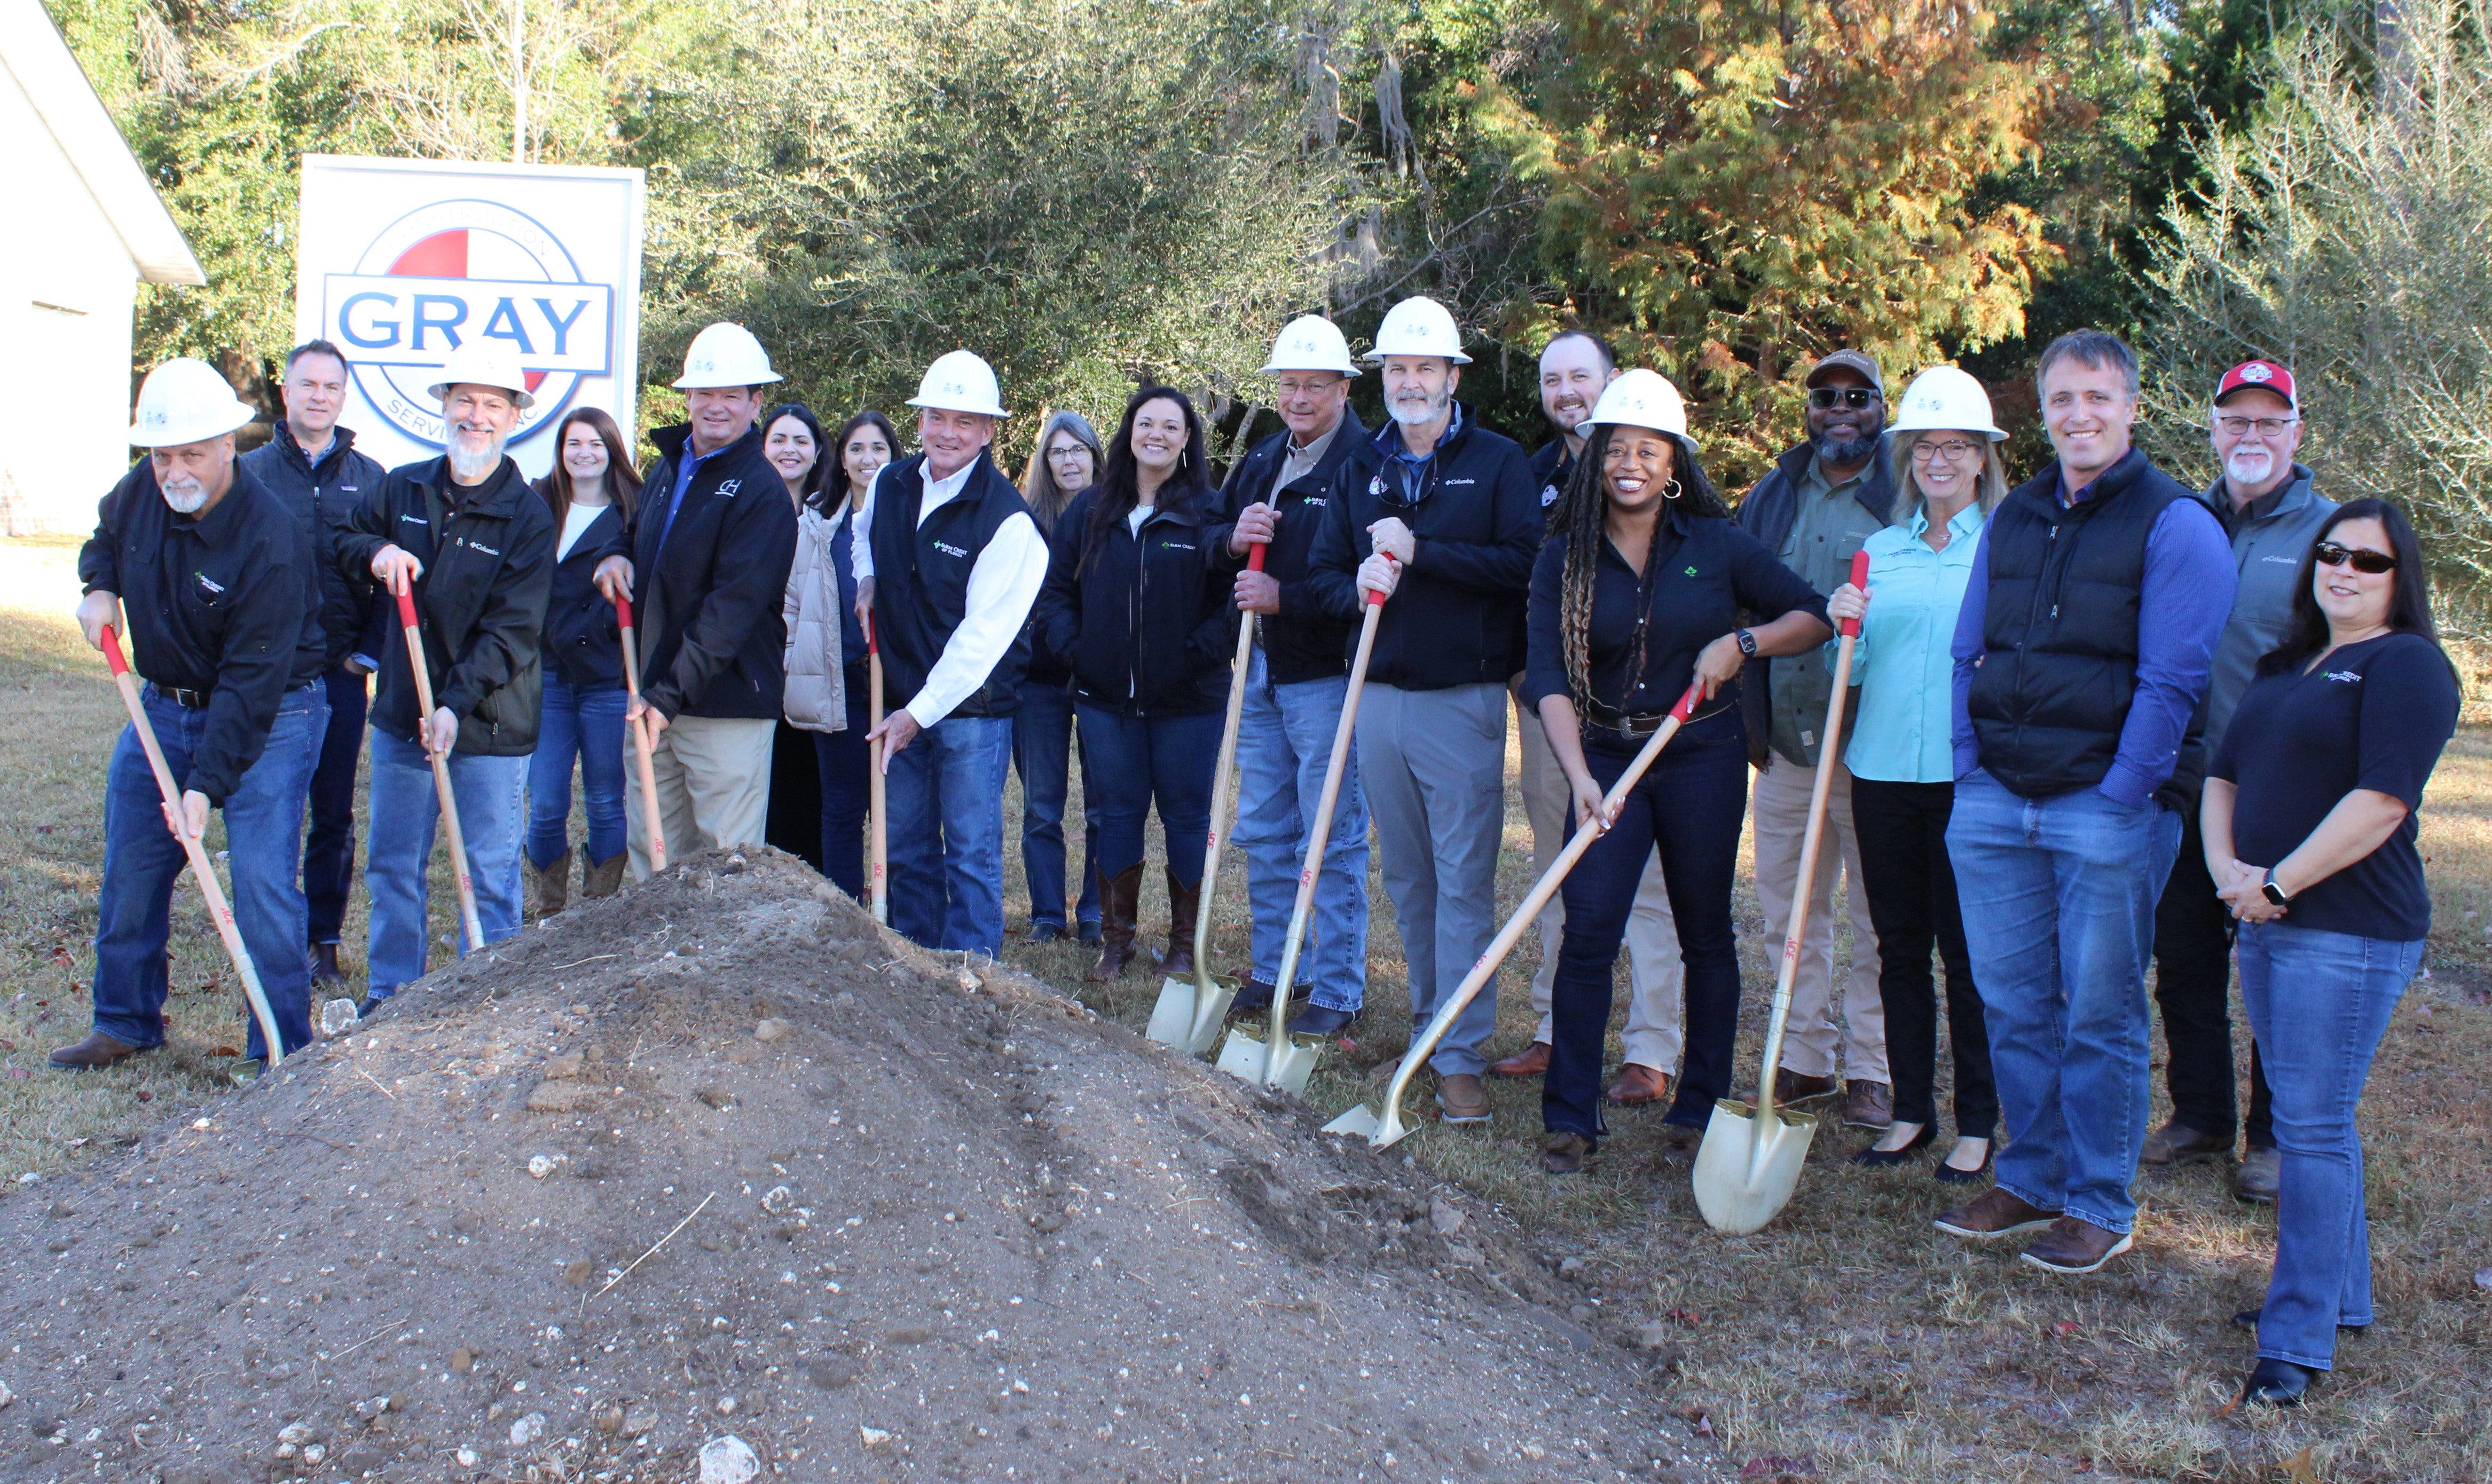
707,592
323,498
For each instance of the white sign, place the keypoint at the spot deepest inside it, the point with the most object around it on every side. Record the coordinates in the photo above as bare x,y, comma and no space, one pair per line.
400,261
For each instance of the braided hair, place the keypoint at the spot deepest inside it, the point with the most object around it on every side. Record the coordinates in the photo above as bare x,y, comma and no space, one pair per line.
1581,519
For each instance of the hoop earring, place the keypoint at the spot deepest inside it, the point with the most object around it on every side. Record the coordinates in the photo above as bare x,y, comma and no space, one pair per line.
1674,489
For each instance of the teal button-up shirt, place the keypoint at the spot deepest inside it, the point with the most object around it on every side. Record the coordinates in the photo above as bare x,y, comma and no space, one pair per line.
1903,731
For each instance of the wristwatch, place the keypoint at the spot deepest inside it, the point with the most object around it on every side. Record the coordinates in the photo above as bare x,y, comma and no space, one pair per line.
1747,643
2273,893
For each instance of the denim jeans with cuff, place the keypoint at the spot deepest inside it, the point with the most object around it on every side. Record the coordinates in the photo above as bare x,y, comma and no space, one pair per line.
491,797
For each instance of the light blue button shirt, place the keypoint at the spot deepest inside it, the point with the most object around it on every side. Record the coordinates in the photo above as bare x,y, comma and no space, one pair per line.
1904,729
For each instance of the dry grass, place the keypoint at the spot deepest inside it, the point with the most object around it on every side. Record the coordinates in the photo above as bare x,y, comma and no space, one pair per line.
1845,1342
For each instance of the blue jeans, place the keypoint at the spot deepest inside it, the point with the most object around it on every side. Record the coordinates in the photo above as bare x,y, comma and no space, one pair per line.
2318,1003
1284,747
1134,761
587,724
2058,914
946,836
404,811
329,847
847,792
263,842
1043,756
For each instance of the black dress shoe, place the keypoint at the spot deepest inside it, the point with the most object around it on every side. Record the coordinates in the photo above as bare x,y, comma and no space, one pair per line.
1883,1159
1948,1174
2248,1319
1088,930
1046,931
98,1049
2276,1383
324,964
372,1003
1321,1021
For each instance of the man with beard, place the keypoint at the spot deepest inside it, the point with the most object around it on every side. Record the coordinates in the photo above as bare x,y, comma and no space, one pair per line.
706,560
1574,368
1448,527
1822,500
224,620
2265,502
477,546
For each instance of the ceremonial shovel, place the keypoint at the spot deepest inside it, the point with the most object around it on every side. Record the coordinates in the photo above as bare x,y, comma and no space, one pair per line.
1751,1158
651,817
473,927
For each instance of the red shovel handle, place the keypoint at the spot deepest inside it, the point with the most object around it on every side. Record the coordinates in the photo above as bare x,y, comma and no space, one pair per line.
1859,579
1375,598
406,606
112,659
1686,706
870,646
1254,556
623,609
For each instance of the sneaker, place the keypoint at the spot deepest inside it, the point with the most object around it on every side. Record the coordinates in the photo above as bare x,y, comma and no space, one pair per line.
2075,1245
1463,1097
1994,1212
2177,1143
2257,1175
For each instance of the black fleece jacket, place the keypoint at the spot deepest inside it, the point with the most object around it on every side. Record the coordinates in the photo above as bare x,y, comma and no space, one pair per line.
1302,642
1147,621
583,635
323,498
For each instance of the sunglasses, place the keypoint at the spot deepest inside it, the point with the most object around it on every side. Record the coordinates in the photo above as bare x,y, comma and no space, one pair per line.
2330,554
1823,398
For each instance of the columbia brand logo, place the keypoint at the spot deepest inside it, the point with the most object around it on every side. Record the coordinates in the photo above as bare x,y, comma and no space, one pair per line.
208,582
478,545
2348,677
1449,483
949,550
2287,560
415,519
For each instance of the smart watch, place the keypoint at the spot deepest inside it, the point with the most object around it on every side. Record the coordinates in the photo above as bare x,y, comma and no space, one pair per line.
2273,893
1747,643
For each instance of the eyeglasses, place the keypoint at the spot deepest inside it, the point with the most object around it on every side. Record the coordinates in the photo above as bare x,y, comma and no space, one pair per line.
1290,386
1823,398
2330,554
2268,427
1951,450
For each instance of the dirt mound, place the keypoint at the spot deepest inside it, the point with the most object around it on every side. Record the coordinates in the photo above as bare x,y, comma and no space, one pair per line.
716,1157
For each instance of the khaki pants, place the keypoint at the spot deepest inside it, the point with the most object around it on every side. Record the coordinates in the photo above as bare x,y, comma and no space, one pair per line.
713,786
1657,977
1780,805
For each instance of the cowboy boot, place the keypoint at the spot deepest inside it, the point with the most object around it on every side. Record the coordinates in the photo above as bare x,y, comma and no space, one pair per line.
1120,898
1184,902
605,877
549,886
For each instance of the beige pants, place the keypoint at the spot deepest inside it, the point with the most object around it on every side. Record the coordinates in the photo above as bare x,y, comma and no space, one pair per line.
1780,815
713,786
1658,977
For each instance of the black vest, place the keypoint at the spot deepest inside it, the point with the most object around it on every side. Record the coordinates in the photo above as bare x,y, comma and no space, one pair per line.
921,580
2059,631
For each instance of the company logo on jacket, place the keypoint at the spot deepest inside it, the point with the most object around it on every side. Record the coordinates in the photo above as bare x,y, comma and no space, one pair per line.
950,551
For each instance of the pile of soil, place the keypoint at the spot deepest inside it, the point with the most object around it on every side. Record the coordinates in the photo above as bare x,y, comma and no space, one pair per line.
716,1157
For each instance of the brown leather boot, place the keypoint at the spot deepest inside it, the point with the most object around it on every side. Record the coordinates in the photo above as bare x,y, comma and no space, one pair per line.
548,886
1120,898
605,877
1184,902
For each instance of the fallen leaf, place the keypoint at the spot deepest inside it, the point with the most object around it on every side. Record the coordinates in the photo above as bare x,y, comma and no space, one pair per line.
2064,1328
2299,1468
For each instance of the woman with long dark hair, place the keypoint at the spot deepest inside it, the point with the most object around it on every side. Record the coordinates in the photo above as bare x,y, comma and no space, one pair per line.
1131,604
826,656
1065,462
592,489
2308,817
1638,593
793,441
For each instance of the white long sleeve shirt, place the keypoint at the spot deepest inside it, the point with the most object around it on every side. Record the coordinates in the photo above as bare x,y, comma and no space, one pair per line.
1003,585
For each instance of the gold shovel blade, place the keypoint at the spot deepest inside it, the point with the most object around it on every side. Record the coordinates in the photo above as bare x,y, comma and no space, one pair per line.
1747,1169
1358,1119
1188,1015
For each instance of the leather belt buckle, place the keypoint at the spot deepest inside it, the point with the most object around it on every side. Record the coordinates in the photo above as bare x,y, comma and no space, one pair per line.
196,701
1638,727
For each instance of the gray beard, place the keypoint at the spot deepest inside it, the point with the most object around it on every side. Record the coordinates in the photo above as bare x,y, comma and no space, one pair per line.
1842,451
185,497
469,466
1419,412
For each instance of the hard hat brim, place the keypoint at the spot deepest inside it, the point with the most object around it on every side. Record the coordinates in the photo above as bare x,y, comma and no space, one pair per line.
1948,425
933,405
520,396
695,384
1583,430
211,427
1278,367
1454,356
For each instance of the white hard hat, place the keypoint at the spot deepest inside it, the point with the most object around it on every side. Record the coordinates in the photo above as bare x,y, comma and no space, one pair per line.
961,381
186,401
725,355
1419,327
1946,400
1311,342
1639,398
487,360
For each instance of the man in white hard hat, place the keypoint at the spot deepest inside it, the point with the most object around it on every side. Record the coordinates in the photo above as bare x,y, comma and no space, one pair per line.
705,564
1446,525
948,562
1296,683
223,623
1826,495
1574,368
475,543
310,462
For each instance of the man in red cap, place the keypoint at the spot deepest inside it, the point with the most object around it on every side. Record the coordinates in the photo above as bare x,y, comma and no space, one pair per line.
2269,509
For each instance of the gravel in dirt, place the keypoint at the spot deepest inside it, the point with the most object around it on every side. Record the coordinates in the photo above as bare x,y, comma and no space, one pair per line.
716,1159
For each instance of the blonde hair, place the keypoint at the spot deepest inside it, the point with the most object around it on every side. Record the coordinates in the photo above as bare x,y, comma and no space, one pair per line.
1991,488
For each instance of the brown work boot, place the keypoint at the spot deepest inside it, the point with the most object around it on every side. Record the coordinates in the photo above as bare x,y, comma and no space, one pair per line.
1118,902
1530,1061
549,887
1565,1152
1184,902
1994,1212
1637,1085
605,877
2258,1175
1793,1089
2075,1245
98,1049
2177,1143
1868,1104
1463,1097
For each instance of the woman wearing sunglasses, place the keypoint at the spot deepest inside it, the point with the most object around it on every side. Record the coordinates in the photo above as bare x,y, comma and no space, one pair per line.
2309,824
1901,753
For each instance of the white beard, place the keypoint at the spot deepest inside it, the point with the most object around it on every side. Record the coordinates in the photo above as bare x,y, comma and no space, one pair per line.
1420,410
184,494
468,465
2249,466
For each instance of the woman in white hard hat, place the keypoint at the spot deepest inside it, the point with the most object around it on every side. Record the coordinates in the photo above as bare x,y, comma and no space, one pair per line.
826,663
1639,592
1065,461
1901,758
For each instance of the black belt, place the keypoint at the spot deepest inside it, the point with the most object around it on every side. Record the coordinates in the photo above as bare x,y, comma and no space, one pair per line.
1638,728
196,701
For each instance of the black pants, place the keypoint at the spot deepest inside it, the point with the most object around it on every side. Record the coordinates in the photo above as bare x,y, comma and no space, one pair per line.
794,824
1910,884
329,845
1687,806
2194,978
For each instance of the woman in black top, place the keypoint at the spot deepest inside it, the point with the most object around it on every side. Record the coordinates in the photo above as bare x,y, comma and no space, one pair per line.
2309,822
1639,592
1133,604
1065,462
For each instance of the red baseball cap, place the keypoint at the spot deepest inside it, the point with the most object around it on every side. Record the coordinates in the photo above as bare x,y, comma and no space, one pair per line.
2266,375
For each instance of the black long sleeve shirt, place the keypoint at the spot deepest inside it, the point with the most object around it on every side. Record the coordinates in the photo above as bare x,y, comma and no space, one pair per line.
226,604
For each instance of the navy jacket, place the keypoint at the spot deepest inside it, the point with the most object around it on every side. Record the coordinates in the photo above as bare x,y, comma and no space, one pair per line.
706,594
1146,623
583,635
921,578
1303,640
324,498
